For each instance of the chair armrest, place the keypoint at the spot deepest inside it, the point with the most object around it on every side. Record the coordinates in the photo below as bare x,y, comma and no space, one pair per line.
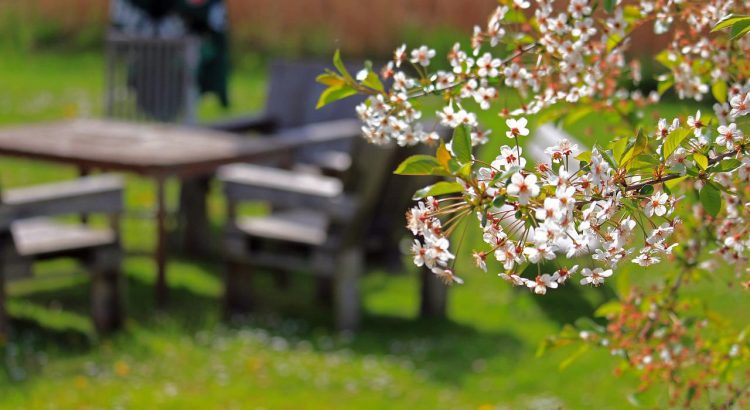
256,122
92,194
321,133
244,182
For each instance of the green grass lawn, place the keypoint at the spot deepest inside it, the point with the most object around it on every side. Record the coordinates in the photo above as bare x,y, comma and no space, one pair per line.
285,355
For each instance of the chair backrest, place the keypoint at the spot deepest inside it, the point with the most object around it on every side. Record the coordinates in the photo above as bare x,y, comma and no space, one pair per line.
370,170
292,98
151,79
92,194
293,94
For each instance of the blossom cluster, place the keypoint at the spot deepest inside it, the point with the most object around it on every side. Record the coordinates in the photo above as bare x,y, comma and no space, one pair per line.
626,201
569,204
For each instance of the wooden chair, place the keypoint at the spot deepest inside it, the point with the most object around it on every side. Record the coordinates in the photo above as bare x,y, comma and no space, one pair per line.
317,225
27,235
291,99
290,109
151,79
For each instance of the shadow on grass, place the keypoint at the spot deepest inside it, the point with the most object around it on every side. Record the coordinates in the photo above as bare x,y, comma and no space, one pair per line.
444,350
572,302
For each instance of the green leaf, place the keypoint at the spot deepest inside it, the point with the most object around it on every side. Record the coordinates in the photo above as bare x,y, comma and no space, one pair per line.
465,170
330,79
740,28
701,160
605,155
340,66
674,139
665,60
577,115
711,199
499,201
440,188
647,190
618,148
613,41
610,308
453,166
586,323
664,85
639,146
720,90
461,143
373,81
335,93
674,182
443,155
507,174
726,165
631,13
728,21
609,5
584,156
572,358
420,165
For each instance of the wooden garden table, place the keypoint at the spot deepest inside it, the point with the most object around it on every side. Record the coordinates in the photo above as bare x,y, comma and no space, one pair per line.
156,151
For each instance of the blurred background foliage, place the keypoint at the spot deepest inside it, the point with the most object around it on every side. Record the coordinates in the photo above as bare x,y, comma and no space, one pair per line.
273,27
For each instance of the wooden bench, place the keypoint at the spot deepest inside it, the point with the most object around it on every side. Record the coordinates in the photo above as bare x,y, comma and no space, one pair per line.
28,234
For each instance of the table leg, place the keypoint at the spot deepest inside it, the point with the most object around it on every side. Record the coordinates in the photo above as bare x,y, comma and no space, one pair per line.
84,172
161,243
4,321
195,229
434,296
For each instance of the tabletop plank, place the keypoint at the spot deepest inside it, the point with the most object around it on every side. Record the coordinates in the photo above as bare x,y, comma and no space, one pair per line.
157,149
147,148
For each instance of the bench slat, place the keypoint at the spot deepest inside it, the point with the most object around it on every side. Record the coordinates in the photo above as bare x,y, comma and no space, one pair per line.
39,236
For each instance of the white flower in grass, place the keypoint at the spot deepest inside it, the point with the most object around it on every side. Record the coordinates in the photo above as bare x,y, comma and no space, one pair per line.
542,282
422,56
594,277
524,188
657,204
517,127
521,4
